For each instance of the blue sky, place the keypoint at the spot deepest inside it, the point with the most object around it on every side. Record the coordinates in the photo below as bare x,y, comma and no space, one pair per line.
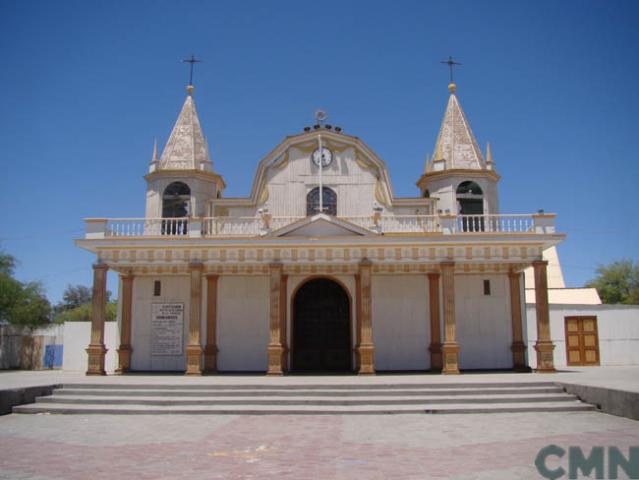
85,87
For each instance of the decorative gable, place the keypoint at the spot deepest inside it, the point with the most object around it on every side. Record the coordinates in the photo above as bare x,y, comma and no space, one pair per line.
321,226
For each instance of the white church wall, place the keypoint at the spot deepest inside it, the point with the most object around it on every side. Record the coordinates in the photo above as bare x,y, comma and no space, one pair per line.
243,323
202,191
288,186
77,336
618,329
484,329
445,188
401,324
174,289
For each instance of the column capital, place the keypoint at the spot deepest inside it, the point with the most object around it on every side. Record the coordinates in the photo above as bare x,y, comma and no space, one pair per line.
100,266
196,266
365,262
212,276
540,263
433,275
127,275
513,273
447,264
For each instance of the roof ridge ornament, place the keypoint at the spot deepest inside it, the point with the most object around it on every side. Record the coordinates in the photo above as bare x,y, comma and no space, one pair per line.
192,61
451,65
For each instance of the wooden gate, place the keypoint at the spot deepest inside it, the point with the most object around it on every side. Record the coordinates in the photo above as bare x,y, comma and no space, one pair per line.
582,341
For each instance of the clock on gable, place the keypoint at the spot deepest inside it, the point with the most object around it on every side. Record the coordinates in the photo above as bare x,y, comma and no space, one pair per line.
326,156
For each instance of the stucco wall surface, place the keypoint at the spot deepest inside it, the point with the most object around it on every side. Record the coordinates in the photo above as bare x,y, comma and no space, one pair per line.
618,327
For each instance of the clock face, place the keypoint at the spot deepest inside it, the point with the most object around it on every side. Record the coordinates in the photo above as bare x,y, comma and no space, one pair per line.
327,157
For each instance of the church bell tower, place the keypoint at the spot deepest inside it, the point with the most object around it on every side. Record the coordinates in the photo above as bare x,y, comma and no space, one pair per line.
181,183
457,174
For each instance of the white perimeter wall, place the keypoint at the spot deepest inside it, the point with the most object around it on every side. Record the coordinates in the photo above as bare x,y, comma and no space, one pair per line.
484,330
243,323
401,322
618,327
77,336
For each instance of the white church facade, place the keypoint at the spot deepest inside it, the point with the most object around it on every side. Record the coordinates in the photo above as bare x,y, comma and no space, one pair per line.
321,268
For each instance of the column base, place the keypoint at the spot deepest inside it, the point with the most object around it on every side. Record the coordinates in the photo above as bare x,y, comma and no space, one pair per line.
276,359
450,353
366,360
436,360
193,360
124,359
96,353
210,359
545,359
519,357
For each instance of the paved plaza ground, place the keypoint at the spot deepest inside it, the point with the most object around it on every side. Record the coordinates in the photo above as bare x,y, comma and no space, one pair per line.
490,446
496,446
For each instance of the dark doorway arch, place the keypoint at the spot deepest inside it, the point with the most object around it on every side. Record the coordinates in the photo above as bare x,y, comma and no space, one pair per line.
321,328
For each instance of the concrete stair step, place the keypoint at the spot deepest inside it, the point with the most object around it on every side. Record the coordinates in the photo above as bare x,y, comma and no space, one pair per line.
232,392
306,400
440,408
352,383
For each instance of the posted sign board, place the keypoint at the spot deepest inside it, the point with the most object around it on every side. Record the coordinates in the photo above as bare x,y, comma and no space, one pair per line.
167,327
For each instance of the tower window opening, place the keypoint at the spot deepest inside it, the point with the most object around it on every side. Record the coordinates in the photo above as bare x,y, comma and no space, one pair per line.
470,205
176,201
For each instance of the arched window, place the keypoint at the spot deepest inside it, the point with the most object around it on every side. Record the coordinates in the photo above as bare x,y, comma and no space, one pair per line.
329,201
469,187
470,201
175,204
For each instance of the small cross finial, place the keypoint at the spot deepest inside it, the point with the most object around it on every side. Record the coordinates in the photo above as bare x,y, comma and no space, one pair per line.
451,64
192,61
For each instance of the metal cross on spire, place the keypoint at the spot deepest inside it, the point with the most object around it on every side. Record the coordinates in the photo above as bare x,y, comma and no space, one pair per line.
451,64
192,61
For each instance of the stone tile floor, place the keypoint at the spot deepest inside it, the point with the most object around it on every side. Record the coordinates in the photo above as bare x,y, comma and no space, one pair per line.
464,447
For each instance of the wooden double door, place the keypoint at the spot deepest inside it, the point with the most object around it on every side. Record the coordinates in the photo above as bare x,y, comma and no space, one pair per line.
582,341
321,328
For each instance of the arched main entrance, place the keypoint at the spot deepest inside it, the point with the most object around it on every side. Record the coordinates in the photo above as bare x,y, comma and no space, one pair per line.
321,328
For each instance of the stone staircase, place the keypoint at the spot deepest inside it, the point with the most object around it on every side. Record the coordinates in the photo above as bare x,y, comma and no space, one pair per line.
349,397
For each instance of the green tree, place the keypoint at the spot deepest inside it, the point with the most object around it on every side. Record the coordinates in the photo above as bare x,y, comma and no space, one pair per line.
618,282
76,295
21,303
76,305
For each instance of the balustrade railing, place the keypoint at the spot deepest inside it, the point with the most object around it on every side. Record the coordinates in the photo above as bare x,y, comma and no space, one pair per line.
494,224
144,227
263,224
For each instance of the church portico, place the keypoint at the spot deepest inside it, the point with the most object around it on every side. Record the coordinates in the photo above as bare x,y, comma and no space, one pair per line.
321,267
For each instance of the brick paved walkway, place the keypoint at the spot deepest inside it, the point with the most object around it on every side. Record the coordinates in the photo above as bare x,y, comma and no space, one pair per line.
498,446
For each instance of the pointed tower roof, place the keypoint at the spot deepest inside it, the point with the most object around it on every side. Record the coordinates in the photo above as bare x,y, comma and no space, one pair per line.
187,148
456,146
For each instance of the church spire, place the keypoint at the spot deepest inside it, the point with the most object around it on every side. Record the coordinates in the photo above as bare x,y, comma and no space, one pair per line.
154,163
456,146
490,163
186,148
